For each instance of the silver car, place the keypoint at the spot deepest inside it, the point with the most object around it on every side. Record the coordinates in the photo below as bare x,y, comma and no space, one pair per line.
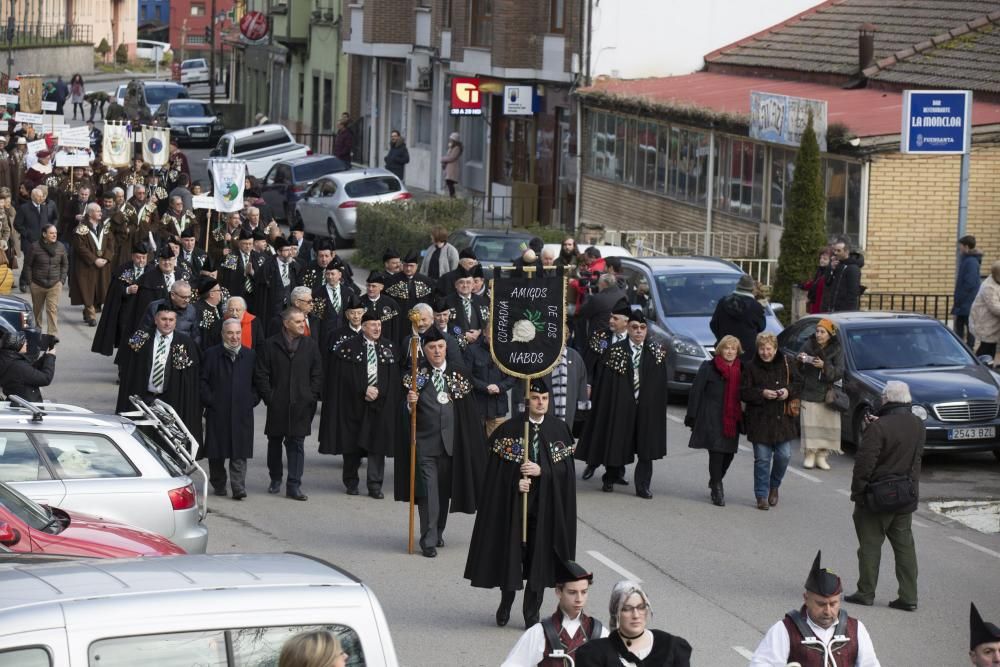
330,205
113,467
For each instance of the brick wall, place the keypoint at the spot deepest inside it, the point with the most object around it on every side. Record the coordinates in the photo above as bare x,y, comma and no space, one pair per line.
389,22
913,219
518,26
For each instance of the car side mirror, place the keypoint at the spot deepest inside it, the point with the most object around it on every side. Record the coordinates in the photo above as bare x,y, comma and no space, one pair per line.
9,536
986,359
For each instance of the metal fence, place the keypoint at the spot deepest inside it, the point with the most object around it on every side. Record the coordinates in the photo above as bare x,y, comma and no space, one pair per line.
29,33
663,243
761,270
319,142
937,306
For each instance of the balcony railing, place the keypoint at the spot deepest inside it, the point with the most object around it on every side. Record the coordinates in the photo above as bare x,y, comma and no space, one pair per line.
29,33
666,243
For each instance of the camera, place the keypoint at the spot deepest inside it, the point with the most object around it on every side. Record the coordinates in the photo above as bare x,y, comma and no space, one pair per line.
588,281
46,342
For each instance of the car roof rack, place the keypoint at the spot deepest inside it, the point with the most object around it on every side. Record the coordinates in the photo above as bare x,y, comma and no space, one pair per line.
16,403
37,414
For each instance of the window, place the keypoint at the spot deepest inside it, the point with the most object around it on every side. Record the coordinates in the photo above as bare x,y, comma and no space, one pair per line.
196,39
557,16
142,12
302,93
84,456
327,103
447,13
397,95
481,23
197,10
261,140
19,461
36,656
422,129
159,13
373,187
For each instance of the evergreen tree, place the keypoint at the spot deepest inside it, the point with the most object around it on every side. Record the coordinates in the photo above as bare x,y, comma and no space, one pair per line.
805,223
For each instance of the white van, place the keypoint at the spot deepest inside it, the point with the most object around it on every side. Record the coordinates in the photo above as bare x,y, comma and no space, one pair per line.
261,146
225,609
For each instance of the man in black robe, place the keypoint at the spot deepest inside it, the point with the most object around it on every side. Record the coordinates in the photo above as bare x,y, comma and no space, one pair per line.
229,396
234,270
196,258
155,284
393,318
329,299
163,363
466,260
628,416
469,312
274,281
360,406
408,287
116,314
451,448
425,320
497,556
208,312
390,263
326,256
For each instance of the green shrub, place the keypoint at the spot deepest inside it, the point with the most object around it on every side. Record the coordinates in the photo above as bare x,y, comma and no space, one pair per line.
103,49
403,226
121,54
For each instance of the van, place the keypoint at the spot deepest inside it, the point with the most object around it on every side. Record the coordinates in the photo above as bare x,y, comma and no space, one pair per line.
224,609
261,147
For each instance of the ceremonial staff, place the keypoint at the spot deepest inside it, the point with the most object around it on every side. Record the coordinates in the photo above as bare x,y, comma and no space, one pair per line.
414,347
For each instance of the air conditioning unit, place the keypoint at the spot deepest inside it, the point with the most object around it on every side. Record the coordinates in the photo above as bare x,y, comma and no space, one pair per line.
420,71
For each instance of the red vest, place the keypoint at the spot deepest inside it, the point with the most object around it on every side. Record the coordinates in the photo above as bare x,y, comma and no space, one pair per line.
569,644
806,649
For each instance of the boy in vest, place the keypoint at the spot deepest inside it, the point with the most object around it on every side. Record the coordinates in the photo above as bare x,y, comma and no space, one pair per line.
564,631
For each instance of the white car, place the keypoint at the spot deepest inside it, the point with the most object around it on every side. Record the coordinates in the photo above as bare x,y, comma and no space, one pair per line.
605,250
194,70
330,205
148,49
261,147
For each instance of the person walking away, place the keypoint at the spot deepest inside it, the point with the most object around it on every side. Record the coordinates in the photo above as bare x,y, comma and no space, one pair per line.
966,287
984,315
740,314
984,640
47,266
843,286
821,364
892,445
398,156
770,387
820,633
229,396
18,375
713,412
569,628
76,94
450,162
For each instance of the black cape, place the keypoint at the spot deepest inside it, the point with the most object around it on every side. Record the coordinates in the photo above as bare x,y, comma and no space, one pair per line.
408,292
113,326
152,287
349,424
619,427
668,651
496,557
469,450
209,324
394,321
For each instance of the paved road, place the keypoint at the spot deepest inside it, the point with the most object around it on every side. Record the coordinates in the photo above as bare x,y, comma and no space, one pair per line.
716,576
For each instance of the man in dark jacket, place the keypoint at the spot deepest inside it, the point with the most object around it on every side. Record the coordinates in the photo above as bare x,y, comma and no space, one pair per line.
289,377
966,287
740,314
892,445
31,217
47,267
20,377
398,156
843,287
596,308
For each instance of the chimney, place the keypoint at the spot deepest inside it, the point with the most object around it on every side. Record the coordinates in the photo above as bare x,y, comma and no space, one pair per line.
866,46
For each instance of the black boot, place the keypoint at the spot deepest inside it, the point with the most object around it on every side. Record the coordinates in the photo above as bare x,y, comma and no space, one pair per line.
503,611
531,605
718,496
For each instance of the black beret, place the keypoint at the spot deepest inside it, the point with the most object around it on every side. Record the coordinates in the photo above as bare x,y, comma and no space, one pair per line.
370,316
467,253
188,232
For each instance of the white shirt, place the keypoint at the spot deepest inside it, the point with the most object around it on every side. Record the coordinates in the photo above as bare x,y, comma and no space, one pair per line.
152,367
530,648
774,647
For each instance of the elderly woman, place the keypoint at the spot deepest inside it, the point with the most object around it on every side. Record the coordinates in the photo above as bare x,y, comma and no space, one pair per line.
631,642
984,317
714,412
770,382
821,364
319,648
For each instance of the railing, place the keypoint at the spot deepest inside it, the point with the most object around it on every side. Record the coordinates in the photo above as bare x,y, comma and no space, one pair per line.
760,270
510,211
662,243
47,34
319,142
937,306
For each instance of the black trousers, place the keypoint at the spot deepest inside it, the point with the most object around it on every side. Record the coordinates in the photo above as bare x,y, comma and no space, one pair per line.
376,471
988,349
963,331
237,474
718,464
295,451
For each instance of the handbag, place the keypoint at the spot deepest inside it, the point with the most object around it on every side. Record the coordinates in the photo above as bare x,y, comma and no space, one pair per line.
837,399
793,405
892,493
6,279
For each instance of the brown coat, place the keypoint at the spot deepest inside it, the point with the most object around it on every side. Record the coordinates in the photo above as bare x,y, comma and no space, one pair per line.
89,283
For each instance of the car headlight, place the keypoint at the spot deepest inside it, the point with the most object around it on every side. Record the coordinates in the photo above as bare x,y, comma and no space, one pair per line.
688,347
919,411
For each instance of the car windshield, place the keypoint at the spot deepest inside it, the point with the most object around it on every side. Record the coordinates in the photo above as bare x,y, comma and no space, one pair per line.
26,510
499,249
157,94
373,187
189,110
693,294
313,170
912,346
191,64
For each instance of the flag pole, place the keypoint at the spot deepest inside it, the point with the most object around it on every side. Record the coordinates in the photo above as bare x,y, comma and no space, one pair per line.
414,343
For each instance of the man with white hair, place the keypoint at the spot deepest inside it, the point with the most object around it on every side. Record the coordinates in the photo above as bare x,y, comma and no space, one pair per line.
888,460
94,250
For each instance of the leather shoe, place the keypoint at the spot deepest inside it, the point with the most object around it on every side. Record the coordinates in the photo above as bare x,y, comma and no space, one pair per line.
503,611
717,498
856,598
607,487
588,472
429,552
440,542
274,487
772,497
220,492
352,490
762,504
239,496
376,494
620,480
644,493
298,495
903,606
530,621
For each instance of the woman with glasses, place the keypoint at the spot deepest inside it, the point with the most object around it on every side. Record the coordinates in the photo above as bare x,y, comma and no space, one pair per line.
631,642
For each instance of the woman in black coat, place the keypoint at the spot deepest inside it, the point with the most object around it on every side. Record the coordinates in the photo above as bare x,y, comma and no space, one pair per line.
770,381
713,412
20,377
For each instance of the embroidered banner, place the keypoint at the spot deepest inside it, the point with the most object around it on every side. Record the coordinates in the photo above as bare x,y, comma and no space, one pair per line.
229,179
117,145
527,322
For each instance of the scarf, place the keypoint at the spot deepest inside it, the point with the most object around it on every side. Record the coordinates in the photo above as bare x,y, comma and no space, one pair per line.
246,335
49,248
731,411
232,351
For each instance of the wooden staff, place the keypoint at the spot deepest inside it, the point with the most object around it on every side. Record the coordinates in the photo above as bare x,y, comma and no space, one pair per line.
527,445
414,345
208,228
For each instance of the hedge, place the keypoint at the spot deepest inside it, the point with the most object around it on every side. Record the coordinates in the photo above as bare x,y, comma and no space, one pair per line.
403,226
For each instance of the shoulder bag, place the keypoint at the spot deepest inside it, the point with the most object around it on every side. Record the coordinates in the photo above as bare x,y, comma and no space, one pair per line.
892,493
793,405
837,399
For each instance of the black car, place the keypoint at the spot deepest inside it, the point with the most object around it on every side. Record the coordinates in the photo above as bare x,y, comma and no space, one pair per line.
16,315
498,247
287,181
190,121
956,394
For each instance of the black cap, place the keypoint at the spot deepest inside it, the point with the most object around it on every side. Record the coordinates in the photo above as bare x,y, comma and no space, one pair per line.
431,335
980,632
412,257
280,242
822,581
376,277
569,571
188,233
462,272
440,305
371,316
389,254
622,308
539,386
296,226
165,306
259,235
245,234
165,252
353,302
140,248
206,284
334,266
324,244
536,244
174,241
477,272
637,316
467,253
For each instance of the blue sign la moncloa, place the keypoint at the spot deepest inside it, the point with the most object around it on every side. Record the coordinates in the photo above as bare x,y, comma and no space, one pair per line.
936,121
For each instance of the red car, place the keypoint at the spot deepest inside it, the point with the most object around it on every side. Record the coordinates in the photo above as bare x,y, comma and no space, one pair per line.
27,527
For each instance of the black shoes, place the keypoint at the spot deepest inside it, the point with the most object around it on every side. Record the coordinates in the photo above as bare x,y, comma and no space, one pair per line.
374,493
644,493
856,598
503,611
220,492
718,495
274,487
239,495
607,487
298,495
440,542
352,490
588,472
620,480
903,606
429,552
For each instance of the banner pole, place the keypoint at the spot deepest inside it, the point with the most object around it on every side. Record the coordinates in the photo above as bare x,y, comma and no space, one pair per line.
414,342
527,445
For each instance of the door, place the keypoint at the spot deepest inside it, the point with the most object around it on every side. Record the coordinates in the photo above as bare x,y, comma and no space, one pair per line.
23,467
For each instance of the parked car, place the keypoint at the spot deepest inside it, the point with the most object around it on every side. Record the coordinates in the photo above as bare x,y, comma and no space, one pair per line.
329,207
680,297
226,609
148,49
194,70
956,394
154,93
493,247
16,315
109,466
287,181
261,147
27,527
190,121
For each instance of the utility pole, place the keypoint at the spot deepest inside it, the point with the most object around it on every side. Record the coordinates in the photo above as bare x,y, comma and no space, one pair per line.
10,44
184,37
211,57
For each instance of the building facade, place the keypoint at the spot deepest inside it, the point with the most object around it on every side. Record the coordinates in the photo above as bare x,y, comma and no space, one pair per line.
189,22
112,20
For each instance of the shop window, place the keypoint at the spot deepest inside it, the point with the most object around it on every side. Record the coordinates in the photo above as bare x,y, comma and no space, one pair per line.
197,10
